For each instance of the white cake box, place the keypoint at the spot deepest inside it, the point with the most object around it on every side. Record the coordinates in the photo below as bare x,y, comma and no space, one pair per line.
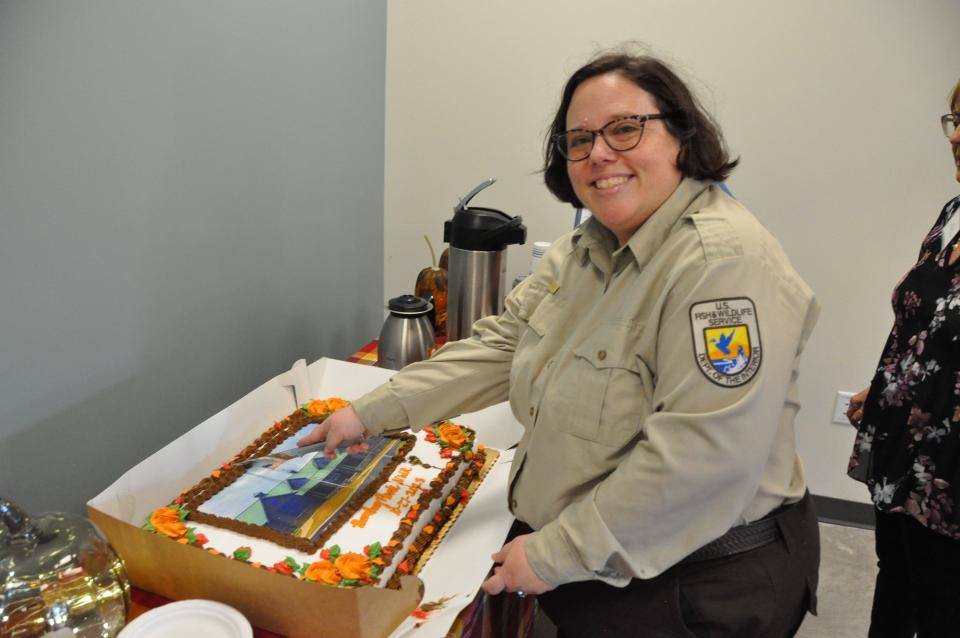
284,604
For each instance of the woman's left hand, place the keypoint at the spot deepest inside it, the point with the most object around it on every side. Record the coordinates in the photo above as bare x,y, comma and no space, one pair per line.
855,408
514,573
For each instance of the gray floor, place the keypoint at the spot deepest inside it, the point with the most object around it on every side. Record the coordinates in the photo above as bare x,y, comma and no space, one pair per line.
848,568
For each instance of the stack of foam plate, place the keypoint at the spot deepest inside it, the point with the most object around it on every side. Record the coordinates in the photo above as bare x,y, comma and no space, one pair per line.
190,618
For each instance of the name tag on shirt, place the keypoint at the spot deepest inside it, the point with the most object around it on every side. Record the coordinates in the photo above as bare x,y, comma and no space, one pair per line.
950,230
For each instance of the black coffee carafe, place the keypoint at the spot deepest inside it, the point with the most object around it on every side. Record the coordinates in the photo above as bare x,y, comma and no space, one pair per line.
477,276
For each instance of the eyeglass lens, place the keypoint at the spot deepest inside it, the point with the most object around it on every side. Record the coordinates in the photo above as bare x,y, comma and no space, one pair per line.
620,135
949,123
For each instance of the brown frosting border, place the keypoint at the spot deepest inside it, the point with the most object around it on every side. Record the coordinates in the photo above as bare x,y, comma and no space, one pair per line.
423,540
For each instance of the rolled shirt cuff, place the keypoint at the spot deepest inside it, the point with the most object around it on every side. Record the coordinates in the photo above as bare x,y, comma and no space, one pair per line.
555,560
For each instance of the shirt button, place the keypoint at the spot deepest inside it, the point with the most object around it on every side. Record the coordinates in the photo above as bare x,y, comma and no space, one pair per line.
513,504
532,410
602,355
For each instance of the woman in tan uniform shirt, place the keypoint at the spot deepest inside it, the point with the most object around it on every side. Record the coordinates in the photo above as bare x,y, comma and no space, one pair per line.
652,360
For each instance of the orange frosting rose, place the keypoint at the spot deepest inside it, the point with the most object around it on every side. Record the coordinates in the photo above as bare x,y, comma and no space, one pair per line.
323,572
452,435
317,407
335,403
167,521
353,566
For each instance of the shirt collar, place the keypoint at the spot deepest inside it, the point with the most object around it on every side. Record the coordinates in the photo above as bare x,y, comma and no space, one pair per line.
593,236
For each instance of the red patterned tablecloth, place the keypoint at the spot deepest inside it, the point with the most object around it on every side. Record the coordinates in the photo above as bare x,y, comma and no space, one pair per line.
367,355
504,616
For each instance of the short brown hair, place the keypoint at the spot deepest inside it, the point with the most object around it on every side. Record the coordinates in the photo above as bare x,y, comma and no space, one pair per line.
703,154
955,97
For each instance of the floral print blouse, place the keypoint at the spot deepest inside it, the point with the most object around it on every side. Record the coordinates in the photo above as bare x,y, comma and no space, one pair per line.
907,448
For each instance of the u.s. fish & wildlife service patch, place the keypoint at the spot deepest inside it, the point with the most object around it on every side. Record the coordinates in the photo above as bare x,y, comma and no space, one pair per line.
726,340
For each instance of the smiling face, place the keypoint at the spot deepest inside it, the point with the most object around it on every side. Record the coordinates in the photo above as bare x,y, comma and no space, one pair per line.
622,188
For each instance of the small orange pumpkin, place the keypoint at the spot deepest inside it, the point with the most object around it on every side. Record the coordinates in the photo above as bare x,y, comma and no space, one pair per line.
432,282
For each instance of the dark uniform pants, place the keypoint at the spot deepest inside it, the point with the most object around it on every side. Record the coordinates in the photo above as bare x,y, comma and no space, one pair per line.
918,585
764,592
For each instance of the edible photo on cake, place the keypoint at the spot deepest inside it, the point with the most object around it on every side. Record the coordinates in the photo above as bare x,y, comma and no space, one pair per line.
300,496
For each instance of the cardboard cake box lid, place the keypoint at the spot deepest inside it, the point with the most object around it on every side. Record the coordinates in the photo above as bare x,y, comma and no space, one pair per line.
278,603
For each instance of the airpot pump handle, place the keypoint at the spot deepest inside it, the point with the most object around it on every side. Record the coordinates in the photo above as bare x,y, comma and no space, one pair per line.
466,199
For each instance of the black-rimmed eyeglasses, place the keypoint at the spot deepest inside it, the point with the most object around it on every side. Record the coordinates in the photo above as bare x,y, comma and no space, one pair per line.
621,134
950,121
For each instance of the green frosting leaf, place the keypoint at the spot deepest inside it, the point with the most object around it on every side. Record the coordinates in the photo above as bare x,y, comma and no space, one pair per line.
375,550
242,553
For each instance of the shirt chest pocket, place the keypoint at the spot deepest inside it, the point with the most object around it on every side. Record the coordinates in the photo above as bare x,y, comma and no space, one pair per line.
609,387
542,311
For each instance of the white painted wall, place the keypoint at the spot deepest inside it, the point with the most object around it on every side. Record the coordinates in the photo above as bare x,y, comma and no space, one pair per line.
833,107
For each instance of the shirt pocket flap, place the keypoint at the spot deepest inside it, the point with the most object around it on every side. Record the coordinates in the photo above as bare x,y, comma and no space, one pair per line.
612,345
542,309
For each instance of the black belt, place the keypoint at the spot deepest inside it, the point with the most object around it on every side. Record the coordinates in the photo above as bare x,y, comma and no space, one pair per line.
739,539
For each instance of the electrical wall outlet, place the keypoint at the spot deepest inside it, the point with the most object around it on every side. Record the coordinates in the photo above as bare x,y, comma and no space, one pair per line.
840,407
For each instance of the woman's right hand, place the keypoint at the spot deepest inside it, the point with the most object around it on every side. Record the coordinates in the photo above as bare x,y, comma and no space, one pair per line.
342,425
855,408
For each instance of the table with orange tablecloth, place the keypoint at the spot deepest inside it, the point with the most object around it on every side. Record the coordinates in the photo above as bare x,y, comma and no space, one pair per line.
504,616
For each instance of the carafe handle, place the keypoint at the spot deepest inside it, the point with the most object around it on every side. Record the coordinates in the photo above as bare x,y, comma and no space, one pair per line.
501,230
466,199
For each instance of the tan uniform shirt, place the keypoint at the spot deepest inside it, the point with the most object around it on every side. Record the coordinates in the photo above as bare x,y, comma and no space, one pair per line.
638,447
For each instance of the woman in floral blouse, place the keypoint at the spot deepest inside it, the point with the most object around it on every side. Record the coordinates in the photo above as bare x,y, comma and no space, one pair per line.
907,448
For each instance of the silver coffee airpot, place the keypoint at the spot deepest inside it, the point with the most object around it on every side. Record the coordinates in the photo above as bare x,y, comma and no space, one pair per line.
477,276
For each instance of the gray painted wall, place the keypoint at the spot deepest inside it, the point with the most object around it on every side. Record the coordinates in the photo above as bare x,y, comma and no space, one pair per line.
191,198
